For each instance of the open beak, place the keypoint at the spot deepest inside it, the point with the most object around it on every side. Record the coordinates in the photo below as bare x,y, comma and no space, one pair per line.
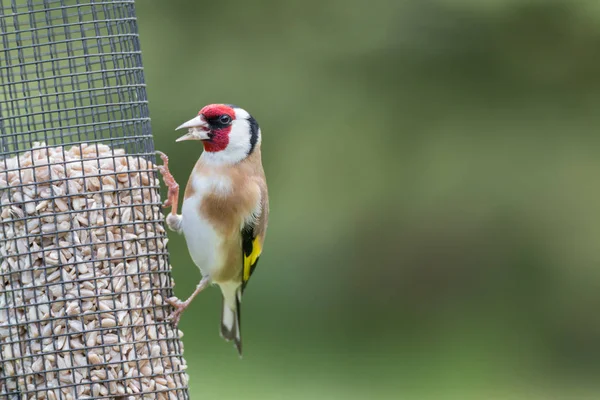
197,129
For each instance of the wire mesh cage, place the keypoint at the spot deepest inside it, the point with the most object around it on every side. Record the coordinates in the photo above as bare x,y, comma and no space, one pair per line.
84,269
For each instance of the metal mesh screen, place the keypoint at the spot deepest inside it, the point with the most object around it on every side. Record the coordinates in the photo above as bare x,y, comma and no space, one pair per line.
84,270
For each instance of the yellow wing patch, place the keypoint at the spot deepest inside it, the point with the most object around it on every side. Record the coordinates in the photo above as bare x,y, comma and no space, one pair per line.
251,259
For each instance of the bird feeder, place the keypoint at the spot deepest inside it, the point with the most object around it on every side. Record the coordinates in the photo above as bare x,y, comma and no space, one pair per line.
84,268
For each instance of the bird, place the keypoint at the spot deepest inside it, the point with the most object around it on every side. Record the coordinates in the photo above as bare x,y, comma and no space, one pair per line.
225,208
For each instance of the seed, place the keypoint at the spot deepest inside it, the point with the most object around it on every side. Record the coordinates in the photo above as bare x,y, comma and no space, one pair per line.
42,205
37,365
161,381
96,256
110,338
108,323
95,359
76,326
146,370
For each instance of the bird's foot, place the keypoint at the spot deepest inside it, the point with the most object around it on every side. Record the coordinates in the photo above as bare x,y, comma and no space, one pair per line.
180,307
172,185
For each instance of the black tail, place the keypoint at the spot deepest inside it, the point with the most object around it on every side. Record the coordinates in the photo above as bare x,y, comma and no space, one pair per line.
231,328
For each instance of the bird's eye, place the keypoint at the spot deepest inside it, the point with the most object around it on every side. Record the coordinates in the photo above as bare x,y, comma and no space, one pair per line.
225,119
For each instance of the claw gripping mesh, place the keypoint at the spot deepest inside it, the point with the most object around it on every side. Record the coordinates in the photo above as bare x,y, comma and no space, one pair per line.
84,270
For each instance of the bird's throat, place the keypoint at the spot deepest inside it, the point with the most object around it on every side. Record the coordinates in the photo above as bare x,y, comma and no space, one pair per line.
218,142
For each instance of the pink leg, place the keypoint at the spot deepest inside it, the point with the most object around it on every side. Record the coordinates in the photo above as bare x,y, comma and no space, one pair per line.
173,194
181,306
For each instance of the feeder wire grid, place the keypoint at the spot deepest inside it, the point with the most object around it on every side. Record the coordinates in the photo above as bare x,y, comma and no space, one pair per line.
84,269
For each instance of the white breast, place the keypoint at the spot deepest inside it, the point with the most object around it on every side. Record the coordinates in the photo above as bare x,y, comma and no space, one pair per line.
204,244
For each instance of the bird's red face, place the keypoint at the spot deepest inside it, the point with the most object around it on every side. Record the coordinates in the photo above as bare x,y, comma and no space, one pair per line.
219,118
212,126
229,133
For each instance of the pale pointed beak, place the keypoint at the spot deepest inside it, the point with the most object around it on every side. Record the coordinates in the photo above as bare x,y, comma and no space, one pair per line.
198,129
187,136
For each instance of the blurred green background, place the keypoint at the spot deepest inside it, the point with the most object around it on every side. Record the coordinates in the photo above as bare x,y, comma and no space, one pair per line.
433,173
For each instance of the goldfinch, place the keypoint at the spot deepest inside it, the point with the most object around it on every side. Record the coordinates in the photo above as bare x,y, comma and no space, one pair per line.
225,208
